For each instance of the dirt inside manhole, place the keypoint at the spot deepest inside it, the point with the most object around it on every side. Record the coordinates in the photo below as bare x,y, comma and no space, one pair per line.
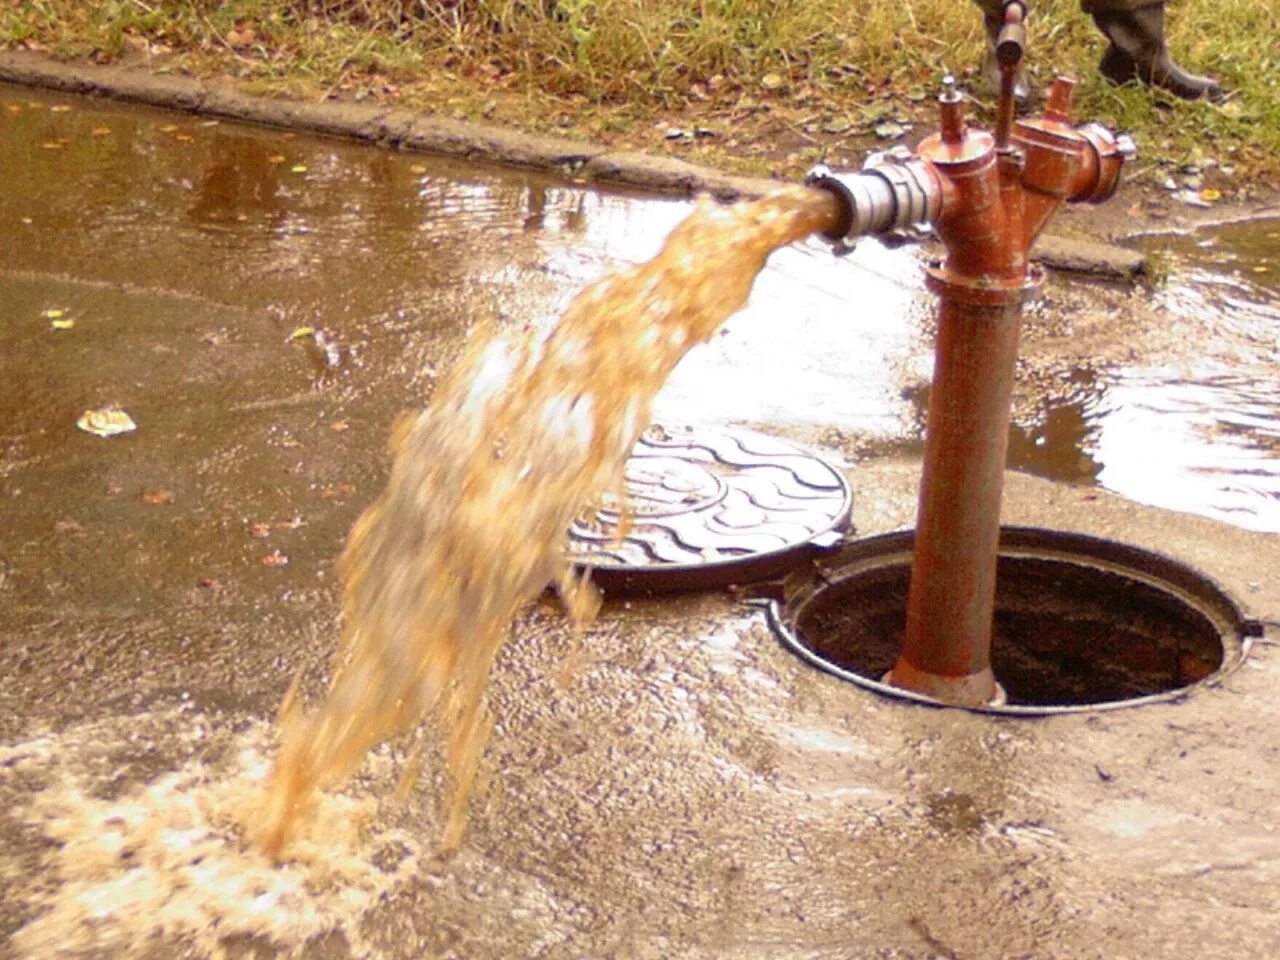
1081,623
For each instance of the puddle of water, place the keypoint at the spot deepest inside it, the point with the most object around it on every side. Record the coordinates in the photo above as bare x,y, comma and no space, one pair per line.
1213,440
394,255
378,246
822,342
1192,422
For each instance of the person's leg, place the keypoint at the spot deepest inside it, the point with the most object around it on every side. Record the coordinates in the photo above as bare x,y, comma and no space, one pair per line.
1136,50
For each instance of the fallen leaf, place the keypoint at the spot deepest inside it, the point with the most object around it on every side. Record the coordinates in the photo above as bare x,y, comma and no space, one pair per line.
107,422
276,158
156,495
182,137
417,168
167,128
274,559
1210,194
772,81
338,426
100,131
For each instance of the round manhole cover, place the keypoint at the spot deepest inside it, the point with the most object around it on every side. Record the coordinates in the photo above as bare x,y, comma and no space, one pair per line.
710,509
1081,623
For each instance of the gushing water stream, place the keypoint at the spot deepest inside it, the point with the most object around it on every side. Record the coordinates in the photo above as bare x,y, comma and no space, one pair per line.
519,439
516,442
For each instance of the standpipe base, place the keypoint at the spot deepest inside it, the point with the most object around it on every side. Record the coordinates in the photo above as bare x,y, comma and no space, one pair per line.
969,690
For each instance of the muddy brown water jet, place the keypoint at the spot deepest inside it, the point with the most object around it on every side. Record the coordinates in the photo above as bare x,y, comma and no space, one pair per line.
517,440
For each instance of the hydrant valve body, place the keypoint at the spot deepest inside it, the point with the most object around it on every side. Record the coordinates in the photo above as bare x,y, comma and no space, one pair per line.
987,197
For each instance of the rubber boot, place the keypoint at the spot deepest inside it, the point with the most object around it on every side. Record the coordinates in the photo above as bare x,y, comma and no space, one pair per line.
1136,50
991,66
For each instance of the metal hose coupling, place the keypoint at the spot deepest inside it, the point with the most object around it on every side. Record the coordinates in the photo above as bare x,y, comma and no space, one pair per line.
894,196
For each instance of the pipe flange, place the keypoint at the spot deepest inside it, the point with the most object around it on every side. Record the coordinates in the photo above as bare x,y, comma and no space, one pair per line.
984,291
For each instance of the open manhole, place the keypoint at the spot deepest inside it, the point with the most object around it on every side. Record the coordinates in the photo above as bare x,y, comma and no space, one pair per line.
710,508
1081,623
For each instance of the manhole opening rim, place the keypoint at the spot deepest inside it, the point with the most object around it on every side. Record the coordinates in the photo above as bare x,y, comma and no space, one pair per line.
1184,583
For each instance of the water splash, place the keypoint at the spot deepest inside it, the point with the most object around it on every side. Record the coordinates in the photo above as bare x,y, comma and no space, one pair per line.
169,860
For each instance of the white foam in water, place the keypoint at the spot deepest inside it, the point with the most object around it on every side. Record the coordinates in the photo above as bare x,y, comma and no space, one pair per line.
169,862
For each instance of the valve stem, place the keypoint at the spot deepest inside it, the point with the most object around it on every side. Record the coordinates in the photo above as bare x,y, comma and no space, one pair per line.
952,110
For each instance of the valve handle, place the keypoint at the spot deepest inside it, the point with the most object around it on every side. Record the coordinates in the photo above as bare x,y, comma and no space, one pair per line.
1011,41
1010,45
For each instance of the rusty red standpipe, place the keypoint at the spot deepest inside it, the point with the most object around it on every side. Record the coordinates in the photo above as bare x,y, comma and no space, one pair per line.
987,203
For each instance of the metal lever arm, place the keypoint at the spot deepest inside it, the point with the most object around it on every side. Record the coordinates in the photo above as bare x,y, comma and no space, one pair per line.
1011,43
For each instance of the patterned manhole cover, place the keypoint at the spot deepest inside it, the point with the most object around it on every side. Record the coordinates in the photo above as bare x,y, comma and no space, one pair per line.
711,509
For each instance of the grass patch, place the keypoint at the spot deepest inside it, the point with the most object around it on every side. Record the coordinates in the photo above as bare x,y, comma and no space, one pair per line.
768,79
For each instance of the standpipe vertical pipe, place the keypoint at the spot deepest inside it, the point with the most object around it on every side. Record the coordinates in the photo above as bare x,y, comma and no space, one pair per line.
987,198
946,651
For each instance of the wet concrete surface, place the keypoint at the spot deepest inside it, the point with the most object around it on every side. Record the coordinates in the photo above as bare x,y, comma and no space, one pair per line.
690,789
